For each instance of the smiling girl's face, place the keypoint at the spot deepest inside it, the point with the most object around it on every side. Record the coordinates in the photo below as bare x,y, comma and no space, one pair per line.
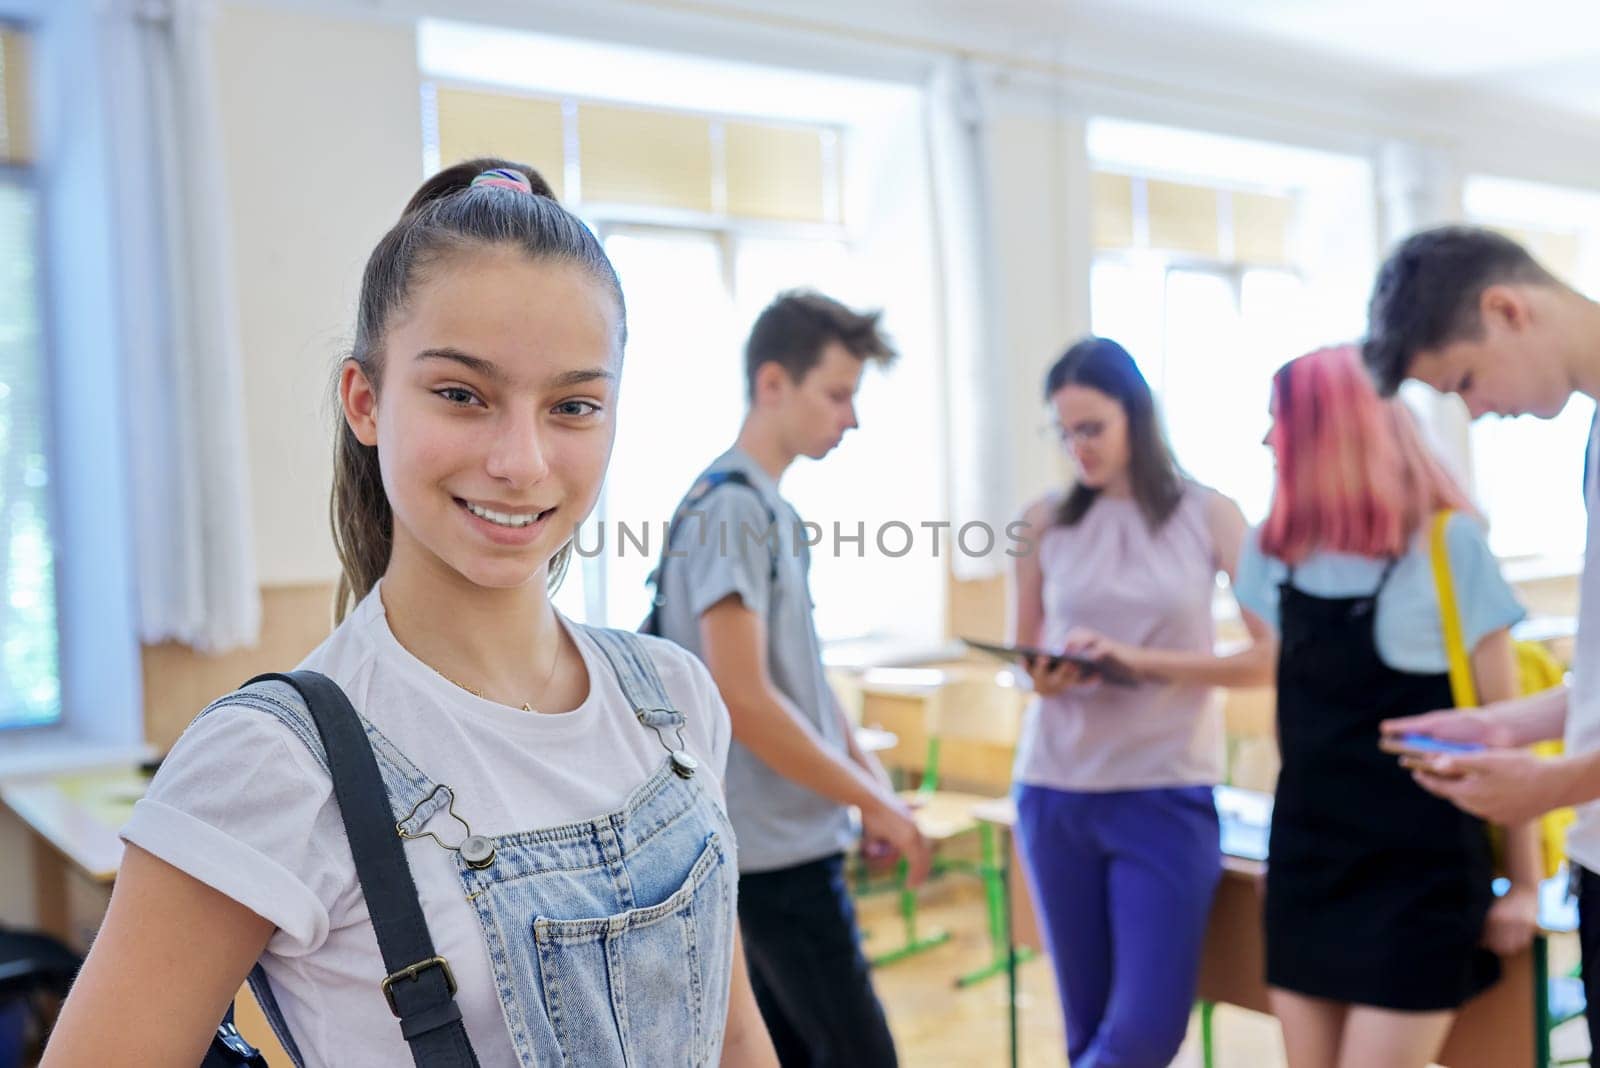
495,413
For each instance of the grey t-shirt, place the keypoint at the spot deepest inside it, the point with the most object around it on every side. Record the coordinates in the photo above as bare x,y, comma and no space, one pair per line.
779,823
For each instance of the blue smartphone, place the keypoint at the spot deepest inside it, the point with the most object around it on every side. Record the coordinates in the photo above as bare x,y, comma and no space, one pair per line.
1421,743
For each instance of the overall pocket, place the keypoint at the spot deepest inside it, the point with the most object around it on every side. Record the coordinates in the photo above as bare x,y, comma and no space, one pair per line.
648,986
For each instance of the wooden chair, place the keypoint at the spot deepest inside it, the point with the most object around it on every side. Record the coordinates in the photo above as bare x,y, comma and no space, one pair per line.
972,722
1250,725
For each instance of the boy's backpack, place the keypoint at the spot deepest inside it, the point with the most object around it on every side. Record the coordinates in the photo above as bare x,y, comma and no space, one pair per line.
697,493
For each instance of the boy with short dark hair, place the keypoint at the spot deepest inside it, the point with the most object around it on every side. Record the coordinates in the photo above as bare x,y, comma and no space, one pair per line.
734,591
1469,312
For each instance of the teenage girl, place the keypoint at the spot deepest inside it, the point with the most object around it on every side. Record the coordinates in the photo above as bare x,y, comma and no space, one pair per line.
1380,921
1115,817
478,411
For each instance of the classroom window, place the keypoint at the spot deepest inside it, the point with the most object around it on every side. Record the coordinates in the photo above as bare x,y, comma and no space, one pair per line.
603,158
1527,473
30,683
1193,281
706,218
1216,260
694,295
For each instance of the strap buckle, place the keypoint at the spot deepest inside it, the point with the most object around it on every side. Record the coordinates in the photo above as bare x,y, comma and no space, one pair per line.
410,972
229,1036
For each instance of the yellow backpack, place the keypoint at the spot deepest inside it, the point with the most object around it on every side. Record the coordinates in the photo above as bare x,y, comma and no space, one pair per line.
1536,670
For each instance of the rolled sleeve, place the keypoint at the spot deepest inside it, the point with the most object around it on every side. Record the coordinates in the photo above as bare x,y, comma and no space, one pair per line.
231,867
242,806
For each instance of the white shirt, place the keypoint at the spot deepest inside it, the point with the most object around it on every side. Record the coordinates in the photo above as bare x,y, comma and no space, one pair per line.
1583,702
241,805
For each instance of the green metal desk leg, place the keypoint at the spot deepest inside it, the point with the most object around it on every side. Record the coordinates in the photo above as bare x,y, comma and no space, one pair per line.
1001,946
914,943
1011,953
1208,1049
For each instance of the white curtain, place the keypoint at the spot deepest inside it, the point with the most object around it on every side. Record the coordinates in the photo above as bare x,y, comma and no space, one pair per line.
982,464
190,479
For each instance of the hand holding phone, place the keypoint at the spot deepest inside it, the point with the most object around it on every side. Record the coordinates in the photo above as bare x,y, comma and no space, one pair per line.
1425,745
1453,725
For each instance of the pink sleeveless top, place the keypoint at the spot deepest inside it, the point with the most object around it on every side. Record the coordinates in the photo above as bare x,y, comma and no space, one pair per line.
1115,575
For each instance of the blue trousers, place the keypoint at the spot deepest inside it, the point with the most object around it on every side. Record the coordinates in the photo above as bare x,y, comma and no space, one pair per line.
1122,882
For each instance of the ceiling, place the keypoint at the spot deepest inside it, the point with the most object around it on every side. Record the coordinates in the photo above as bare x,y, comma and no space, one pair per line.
1543,52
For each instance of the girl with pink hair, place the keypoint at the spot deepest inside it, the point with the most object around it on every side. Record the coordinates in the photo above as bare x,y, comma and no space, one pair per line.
1380,919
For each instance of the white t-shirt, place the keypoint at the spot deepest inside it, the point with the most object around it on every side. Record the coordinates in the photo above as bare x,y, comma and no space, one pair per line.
241,805
1583,702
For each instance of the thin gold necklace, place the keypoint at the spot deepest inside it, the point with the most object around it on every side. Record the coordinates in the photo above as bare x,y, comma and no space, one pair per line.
527,706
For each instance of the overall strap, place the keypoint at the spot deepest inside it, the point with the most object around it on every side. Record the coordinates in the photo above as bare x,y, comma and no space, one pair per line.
261,987
420,987
630,661
1383,579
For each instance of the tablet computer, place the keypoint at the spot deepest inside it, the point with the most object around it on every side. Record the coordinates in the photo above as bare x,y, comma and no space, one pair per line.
1107,671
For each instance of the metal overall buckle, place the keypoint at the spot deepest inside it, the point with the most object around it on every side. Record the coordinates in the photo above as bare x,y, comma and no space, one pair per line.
684,765
477,850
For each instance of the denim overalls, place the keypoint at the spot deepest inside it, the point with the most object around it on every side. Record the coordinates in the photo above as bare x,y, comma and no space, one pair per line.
611,940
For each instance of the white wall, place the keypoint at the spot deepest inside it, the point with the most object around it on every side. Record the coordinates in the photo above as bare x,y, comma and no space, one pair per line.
1038,185
323,136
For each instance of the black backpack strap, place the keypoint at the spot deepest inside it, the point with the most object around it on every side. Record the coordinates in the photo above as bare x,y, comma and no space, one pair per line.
420,987
697,493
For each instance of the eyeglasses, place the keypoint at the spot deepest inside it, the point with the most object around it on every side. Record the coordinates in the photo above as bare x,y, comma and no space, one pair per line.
1083,432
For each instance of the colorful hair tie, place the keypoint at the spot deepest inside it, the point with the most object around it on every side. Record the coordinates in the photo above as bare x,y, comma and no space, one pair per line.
505,178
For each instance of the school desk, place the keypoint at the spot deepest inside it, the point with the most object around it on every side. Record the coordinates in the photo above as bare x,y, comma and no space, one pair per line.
73,820
1507,1026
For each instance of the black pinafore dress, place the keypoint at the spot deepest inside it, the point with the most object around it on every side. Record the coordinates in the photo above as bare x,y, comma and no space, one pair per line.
1376,890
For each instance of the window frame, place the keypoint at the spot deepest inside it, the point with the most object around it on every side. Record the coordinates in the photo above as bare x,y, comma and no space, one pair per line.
835,152
726,234
101,670
1232,272
26,177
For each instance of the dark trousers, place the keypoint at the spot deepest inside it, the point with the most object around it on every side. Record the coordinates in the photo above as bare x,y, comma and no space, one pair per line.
1588,887
811,980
